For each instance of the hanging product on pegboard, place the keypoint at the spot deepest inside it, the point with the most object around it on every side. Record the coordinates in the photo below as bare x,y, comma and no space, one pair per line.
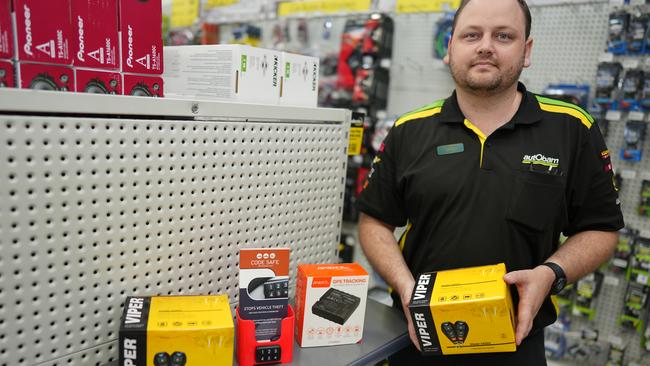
618,24
631,89
639,269
607,79
587,289
644,203
624,249
634,312
634,137
616,355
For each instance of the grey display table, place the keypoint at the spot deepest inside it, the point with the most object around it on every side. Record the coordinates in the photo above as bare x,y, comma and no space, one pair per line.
384,333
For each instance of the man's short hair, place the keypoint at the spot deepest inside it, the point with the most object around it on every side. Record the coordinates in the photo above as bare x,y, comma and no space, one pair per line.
522,4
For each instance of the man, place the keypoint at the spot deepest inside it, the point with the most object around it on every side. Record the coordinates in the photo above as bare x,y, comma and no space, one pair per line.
491,174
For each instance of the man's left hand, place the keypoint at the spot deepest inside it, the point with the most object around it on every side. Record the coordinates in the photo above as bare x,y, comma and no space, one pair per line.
533,286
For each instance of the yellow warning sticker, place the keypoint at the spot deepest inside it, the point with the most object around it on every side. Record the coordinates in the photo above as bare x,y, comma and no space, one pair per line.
356,139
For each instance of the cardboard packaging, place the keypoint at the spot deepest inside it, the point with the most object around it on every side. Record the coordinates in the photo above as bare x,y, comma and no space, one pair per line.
142,85
6,30
96,41
235,73
45,77
264,289
176,330
465,310
141,36
299,85
98,82
330,304
7,74
43,31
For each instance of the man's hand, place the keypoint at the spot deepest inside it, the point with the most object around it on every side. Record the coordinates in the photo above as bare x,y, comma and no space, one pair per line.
533,286
405,295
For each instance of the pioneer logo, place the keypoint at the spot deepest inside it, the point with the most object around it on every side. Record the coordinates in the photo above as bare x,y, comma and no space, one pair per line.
27,47
421,323
130,352
129,59
421,288
275,70
82,44
134,311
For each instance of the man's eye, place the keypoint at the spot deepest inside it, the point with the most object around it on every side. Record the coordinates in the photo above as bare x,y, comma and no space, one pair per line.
504,36
471,35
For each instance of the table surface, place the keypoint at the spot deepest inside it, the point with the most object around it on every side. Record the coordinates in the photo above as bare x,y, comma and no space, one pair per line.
384,333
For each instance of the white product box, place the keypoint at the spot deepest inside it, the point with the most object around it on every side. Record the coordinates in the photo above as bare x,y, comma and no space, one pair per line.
299,85
236,73
330,304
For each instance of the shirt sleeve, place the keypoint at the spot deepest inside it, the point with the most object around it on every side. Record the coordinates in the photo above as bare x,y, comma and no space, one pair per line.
381,197
594,202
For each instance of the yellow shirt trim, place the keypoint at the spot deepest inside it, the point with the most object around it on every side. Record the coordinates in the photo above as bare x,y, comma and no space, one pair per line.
423,114
480,134
570,111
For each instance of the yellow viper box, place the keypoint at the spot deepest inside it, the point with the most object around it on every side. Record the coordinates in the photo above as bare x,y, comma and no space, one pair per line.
176,330
466,310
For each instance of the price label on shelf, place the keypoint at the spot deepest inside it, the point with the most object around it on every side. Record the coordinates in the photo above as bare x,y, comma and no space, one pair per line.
636,116
637,2
356,139
628,174
606,57
616,2
631,63
286,8
425,6
613,115
615,340
219,3
611,280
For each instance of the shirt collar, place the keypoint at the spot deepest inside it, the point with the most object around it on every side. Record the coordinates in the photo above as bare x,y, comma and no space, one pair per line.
529,111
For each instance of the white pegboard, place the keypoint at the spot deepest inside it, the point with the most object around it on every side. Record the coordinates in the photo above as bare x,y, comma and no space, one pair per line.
93,209
567,42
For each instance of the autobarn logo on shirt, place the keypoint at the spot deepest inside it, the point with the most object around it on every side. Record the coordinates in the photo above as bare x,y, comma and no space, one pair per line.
540,159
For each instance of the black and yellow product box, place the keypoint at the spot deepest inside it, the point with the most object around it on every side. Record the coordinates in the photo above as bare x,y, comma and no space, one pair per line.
466,310
176,331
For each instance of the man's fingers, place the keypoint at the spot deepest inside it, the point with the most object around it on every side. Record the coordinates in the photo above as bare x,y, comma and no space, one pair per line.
524,321
513,278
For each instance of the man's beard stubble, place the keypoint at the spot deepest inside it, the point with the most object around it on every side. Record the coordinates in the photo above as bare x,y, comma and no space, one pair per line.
500,82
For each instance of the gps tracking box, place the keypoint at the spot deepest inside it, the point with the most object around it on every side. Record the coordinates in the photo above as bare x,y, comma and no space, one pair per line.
465,310
330,304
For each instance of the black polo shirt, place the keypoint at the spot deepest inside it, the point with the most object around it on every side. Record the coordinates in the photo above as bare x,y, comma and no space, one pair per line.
472,201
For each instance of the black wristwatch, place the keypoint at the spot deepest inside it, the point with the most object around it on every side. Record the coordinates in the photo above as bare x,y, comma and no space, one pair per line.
560,277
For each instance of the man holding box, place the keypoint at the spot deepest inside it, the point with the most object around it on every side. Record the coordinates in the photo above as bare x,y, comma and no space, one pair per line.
492,174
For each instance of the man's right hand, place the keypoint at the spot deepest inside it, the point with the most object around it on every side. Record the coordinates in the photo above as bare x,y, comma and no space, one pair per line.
405,295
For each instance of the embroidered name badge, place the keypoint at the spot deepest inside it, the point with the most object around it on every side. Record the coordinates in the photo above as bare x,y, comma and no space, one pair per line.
450,149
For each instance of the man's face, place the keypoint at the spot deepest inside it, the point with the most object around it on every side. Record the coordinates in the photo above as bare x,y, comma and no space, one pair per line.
488,49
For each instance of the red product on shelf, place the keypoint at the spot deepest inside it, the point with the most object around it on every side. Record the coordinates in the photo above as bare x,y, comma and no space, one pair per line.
6,30
251,352
43,31
7,79
96,37
45,77
143,85
98,82
141,36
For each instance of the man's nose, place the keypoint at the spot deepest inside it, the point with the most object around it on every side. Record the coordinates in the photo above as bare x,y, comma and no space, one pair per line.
486,46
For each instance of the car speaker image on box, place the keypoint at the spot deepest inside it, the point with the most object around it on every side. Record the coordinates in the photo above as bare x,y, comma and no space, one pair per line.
7,74
45,77
142,85
98,82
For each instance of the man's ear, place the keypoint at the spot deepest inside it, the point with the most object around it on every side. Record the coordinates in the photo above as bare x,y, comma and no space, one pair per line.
528,51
